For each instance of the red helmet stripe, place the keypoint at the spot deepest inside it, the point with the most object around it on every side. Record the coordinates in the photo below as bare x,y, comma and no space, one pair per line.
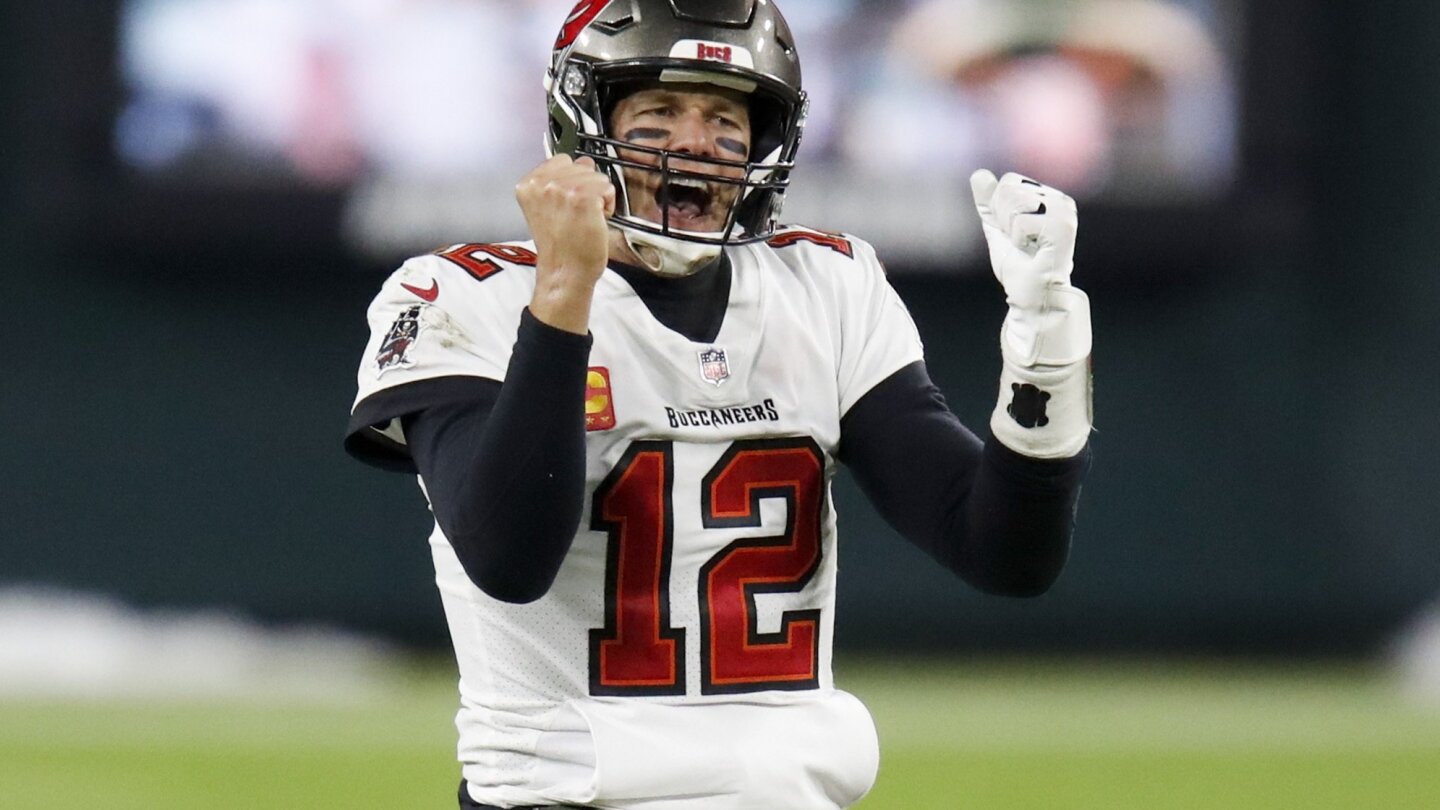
584,12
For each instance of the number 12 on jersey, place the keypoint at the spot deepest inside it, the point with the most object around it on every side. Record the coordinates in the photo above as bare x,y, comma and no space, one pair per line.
638,651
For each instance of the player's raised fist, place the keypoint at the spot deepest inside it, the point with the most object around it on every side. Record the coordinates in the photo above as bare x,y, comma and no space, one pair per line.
1030,232
566,203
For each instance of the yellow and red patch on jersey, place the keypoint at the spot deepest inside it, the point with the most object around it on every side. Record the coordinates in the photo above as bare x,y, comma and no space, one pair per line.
599,403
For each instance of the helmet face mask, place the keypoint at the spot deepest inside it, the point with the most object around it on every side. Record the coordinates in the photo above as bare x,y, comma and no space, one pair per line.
610,48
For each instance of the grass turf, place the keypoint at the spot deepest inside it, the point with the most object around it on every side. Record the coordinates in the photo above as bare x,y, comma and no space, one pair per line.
1019,735
1158,736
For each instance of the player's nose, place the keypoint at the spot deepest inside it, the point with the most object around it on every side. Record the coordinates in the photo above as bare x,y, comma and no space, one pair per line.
691,135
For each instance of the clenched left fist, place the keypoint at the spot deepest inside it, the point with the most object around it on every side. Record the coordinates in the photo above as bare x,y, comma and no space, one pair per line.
1030,231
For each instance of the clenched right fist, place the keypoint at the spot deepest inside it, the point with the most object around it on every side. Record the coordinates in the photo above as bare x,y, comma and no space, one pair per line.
566,203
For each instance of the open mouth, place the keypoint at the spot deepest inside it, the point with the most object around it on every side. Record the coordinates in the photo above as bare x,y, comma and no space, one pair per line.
684,201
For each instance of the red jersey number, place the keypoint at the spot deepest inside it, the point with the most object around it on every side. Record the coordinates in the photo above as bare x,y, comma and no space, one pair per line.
467,256
638,652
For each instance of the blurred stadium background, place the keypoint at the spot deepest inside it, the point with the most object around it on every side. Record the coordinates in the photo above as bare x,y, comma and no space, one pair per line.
203,602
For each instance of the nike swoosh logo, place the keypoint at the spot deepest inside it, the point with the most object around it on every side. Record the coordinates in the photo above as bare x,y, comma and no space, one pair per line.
427,296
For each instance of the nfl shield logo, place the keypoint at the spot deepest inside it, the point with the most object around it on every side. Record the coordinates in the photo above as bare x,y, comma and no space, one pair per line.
713,367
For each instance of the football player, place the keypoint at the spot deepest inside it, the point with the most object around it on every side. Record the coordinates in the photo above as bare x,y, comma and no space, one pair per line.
626,428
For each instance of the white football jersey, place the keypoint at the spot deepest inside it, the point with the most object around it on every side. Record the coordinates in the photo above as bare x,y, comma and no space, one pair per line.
682,659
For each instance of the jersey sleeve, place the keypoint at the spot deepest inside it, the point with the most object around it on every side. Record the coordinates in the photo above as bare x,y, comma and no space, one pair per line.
878,336
438,336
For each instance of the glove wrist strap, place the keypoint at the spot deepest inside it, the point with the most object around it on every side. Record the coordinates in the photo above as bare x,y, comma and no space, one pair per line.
1044,411
1057,333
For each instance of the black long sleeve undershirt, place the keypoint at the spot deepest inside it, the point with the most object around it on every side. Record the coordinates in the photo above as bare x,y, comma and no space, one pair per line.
505,475
1000,520
505,472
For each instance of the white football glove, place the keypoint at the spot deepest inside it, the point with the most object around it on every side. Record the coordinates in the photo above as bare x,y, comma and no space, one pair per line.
1044,406
1030,230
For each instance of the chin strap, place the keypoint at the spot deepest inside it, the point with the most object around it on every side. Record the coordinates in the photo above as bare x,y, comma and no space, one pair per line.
667,256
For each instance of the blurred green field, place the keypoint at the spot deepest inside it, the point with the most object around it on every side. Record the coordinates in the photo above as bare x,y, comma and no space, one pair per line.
1001,736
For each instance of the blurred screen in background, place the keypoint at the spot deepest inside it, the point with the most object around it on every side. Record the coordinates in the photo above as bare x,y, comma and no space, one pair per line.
424,113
